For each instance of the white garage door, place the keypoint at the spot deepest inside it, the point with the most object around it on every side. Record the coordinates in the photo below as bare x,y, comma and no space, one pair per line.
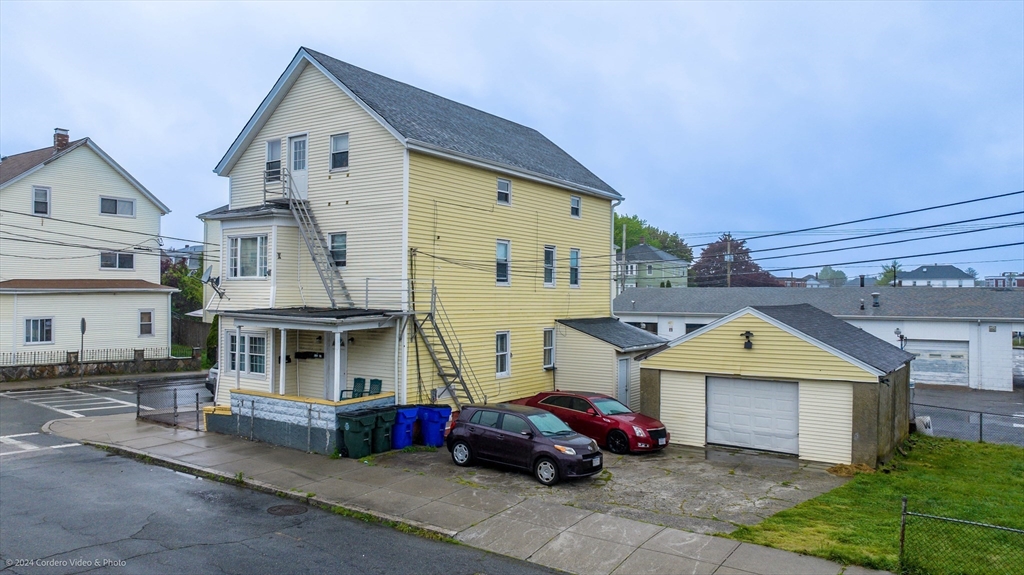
942,362
754,414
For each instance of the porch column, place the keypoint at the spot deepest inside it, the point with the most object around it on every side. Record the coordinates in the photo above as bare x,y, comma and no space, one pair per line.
238,355
337,366
284,348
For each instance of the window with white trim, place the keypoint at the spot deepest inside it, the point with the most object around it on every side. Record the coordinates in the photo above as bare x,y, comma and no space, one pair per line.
145,322
273,162
251,354
117,261
502,256
650,270
38,330
339,152
40,201
502,354
549,266
117,207
574,268
504,192
549,348
630,269
576,206
248,257
339,249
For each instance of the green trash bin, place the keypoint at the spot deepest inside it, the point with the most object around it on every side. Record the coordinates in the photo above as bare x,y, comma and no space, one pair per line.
382,430
355,430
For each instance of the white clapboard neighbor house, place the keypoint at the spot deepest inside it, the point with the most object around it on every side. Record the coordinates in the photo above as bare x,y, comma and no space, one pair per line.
961,337
80,242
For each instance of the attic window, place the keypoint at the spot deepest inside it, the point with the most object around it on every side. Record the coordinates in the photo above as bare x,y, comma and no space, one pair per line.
40,201
117,207
339,152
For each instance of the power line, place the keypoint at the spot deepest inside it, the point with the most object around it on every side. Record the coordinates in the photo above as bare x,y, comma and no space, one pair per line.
115,229
129,249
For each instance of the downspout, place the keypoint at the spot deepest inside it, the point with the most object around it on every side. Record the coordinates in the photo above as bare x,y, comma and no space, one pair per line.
238,355
611,227
14,329
169,335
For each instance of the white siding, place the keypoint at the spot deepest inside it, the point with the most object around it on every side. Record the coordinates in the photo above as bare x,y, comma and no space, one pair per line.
372,356
826,421
683,397
245,293
112,320
76,182
634,380
251,382
584,363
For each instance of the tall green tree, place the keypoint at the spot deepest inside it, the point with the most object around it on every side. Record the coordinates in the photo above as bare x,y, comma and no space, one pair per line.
638,229
712,269
889,271
190,294
834,278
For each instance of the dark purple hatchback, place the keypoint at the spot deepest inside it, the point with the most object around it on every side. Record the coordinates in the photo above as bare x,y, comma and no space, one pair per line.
525,437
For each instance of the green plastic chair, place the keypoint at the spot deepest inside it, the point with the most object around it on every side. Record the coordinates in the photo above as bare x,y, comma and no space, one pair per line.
358,388
375,386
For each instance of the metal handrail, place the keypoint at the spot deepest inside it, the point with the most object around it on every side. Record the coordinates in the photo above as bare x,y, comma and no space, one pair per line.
441,318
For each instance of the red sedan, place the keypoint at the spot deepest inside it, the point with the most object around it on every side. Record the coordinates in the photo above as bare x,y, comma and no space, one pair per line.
604,419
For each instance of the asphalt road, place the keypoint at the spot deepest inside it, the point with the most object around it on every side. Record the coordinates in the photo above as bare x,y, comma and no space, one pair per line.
68,508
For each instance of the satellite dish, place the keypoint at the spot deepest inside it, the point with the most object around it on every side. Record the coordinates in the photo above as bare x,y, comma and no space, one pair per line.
206,274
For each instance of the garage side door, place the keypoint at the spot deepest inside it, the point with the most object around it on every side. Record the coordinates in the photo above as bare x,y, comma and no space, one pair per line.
753,414
943,362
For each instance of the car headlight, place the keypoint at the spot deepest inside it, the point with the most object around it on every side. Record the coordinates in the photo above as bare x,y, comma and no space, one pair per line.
566,450
639,431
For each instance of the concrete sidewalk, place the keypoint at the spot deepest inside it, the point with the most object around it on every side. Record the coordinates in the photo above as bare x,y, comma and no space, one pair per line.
558,536
29,384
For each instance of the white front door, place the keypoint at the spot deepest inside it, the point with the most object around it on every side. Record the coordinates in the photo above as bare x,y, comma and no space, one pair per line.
755,414
297,166
329,365
622,393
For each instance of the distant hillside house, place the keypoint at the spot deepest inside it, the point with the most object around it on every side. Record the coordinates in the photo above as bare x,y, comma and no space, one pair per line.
80,246
647,266
936,276
1005,280
959,337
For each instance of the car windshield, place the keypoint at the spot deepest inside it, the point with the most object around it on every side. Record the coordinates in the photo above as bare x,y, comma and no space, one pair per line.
549,425
609,406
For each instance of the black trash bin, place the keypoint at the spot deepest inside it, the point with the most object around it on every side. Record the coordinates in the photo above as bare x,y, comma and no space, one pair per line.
381,437
355,431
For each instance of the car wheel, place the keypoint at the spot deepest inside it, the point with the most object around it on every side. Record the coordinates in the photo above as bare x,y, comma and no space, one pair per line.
546,471
461,454
618,442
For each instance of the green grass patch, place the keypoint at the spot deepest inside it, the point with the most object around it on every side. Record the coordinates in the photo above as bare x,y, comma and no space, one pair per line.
178,350
419,448
859,522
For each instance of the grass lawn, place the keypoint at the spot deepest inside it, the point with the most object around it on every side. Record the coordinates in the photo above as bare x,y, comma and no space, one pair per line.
859,522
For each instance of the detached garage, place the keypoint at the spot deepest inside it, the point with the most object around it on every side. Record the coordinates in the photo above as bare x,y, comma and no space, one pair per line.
786,379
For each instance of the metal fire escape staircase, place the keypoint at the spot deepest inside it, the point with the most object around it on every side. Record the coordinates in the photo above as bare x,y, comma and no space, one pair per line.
310,231
434,329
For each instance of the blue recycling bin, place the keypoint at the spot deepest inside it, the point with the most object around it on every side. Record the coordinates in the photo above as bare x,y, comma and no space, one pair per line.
432,423
401,432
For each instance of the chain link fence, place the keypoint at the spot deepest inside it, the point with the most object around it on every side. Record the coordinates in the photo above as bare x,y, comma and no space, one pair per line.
177,403
932,545
972,425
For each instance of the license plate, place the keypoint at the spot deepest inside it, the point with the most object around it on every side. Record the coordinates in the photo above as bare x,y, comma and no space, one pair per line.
661,441
596,461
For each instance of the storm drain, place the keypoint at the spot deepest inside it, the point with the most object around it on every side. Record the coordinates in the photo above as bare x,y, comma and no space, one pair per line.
284,510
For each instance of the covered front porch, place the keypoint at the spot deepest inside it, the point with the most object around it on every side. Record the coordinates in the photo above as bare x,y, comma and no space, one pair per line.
310,354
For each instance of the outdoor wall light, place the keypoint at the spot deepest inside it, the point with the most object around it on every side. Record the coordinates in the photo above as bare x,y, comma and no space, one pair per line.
748,344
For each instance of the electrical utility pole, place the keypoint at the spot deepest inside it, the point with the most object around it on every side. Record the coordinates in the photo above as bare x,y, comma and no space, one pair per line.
728,260
622,286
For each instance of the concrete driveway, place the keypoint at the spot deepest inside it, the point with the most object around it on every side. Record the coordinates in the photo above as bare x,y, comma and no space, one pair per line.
704,491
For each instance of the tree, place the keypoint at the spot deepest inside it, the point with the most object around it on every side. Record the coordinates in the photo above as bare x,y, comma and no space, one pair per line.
889,272
972,272
834,278
177,274
711,269
638,229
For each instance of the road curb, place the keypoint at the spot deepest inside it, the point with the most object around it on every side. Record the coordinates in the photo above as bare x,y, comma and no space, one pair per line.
262,487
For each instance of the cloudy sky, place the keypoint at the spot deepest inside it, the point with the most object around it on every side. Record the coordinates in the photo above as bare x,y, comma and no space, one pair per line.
749,117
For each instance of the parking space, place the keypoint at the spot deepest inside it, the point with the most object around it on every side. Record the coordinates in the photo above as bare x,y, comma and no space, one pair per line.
31,443
77,402
698,490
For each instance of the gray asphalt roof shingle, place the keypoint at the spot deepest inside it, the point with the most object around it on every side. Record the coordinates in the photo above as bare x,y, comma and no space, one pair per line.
917,302
428,118
649,253
935,272
839,335
613,331
17,164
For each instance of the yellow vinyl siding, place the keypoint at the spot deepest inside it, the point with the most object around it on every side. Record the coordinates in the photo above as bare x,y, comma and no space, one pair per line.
310,373
213,252
683,406
372,356
250,292
583,363
112,320
453,214
252,382
826,421
76,182
293,250
365,201
775,354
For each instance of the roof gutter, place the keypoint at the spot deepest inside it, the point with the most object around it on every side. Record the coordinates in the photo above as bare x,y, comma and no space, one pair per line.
440,152
29,291
306,320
